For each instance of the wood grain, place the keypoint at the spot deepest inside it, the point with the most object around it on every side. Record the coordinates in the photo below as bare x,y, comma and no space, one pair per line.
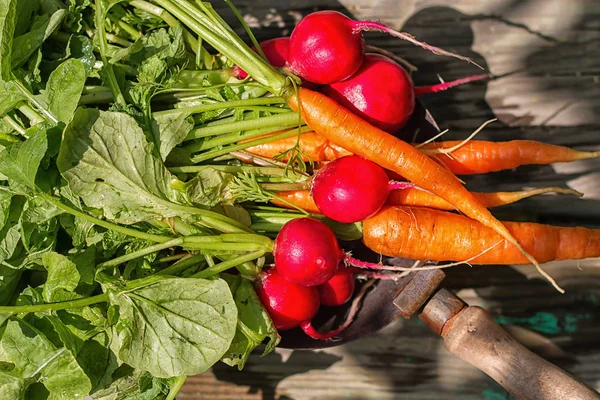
545,55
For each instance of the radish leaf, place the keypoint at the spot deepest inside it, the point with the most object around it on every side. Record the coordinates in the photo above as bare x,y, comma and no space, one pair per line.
172,327
36,359
107,161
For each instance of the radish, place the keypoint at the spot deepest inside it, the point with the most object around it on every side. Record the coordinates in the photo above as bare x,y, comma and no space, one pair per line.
288,304
382,92
306,252
351,189
327,46
276,51
339,289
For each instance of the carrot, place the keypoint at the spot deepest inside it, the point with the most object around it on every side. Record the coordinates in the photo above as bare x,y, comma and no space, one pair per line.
299,198
480,157
354,134
312,145
420,198
425,234
473,157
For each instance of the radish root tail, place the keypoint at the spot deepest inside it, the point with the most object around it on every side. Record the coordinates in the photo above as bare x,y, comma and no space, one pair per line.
310,330
366,26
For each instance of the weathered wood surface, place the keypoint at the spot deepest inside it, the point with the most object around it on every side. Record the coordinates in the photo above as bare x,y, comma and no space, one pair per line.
546,56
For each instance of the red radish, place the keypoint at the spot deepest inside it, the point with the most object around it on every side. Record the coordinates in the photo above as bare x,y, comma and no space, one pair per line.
381,92
276,51
327,46
324,48
339,289
306,252
305,249
351,189
288,304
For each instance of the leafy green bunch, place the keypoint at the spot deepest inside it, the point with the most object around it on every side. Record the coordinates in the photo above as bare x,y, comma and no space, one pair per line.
123,204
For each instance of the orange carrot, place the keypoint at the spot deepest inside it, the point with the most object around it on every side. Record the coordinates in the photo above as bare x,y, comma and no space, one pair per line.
480,157
473,157
313,145
432,235
420,198
299,198
354,134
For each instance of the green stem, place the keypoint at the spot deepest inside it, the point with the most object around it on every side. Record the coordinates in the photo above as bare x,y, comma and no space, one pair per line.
89,89
225,104
203,58
101,298
31,114
280,121
215,153
96,98
206,25
176,387
105,224
236,238
34,101
174,257
257,208
182,265
131,31
286,187
118,40
231,138
187,79
194,169
230,247
248,30
225,265
276,213
110,73
140,253
155,10
127,69
13,124
209,260
190,40
222,224
249,333
185,229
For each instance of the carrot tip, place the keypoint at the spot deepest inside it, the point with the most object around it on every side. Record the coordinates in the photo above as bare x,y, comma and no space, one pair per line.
534,262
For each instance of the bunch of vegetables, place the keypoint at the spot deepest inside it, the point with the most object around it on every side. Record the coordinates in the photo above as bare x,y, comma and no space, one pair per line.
134,248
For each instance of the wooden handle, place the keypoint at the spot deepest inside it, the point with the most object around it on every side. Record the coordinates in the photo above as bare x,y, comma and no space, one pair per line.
474,336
